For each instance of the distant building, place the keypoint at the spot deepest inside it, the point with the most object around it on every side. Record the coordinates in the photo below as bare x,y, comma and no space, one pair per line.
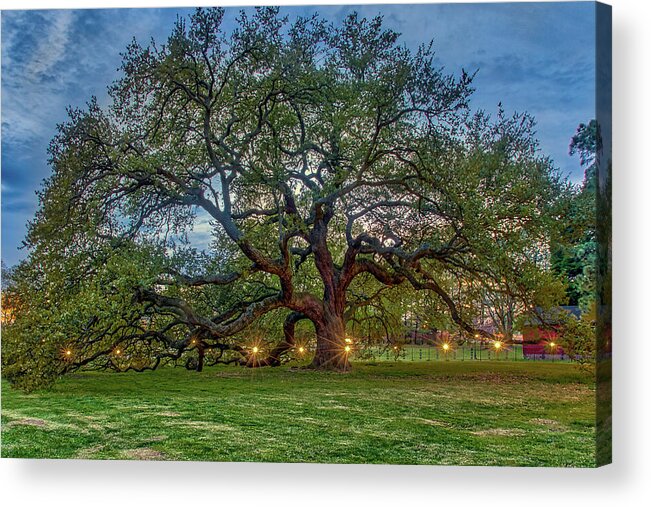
543,325
540,333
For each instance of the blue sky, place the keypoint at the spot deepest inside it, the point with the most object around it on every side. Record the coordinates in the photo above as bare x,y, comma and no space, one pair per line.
535,57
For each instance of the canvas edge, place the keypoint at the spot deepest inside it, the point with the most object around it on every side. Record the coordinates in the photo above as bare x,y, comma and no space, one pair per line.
603,113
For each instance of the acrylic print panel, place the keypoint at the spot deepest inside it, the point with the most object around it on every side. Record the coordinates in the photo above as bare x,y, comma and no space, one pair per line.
336,234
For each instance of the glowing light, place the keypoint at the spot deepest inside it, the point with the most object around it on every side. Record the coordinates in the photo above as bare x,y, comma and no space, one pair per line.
395,347
194,341
497,345
348,340
118,351
255,350
68,353
301,349
347,348
446,347
477,335
552,345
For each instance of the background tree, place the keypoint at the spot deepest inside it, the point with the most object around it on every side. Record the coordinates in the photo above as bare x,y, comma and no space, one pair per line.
332,162
575,259
503,310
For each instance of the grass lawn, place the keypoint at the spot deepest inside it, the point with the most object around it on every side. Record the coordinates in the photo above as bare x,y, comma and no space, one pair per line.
451,413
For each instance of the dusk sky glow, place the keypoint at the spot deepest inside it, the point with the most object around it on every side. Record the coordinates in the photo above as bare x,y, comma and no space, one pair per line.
535,57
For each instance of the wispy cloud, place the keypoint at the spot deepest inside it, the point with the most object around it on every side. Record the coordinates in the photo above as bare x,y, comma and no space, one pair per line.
52,46
34,81
50,60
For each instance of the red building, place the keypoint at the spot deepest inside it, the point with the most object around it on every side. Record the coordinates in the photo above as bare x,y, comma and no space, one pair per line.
545,328
540,333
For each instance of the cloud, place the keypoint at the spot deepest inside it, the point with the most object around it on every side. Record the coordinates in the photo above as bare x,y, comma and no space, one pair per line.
34,46
201,234
52,47
50,60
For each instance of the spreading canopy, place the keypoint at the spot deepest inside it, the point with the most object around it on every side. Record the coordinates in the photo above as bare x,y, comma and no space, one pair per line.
335,167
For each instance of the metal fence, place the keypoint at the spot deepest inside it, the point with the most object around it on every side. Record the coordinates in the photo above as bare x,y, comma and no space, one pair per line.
464,352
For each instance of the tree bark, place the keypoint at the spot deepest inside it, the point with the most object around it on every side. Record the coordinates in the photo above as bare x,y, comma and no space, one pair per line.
202,354
275,356
331,353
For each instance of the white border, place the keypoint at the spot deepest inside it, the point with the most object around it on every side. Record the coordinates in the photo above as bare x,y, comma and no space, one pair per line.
54,483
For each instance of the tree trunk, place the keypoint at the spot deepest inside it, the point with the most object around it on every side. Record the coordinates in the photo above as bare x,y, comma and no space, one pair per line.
331,353
274,357
200,361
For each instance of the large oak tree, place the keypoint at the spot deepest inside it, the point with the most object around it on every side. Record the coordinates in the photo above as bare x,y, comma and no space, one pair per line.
333,164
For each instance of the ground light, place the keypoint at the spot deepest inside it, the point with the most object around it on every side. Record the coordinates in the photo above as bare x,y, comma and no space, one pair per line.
498,348
255,350
347,348
445,346
301,349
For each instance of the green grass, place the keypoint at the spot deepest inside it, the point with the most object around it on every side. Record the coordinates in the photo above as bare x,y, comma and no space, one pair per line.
452,413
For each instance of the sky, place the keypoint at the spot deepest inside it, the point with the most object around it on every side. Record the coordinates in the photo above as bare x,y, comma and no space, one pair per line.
534,57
